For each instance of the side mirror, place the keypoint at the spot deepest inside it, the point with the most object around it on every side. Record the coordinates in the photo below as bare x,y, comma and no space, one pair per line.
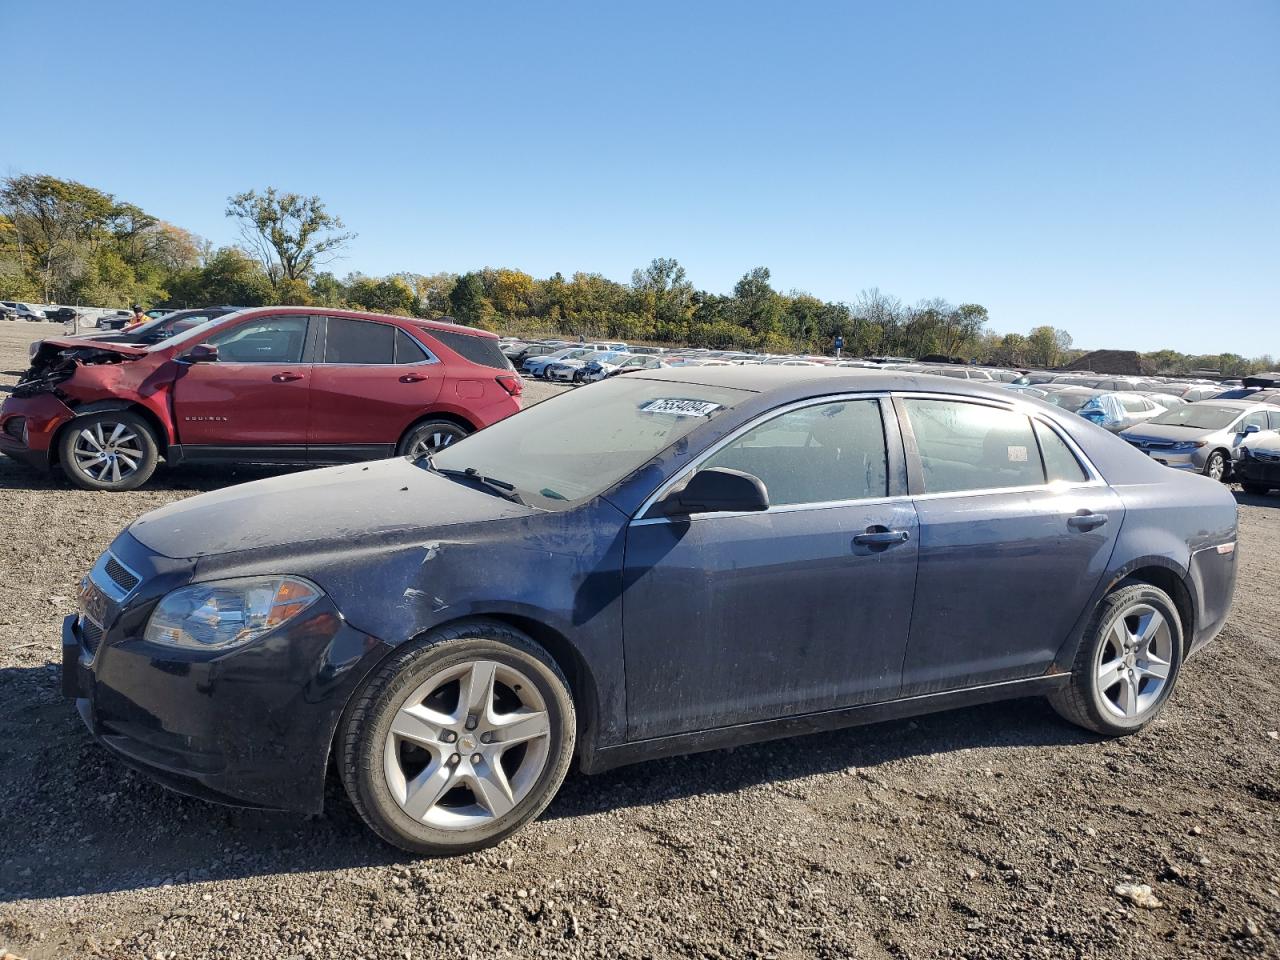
202,353
717,490
1250,428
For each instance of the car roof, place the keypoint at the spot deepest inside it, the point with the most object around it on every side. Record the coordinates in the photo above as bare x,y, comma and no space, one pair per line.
419,322
766,378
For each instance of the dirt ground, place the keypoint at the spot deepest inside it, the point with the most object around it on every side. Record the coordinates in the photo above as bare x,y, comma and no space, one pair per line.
990,832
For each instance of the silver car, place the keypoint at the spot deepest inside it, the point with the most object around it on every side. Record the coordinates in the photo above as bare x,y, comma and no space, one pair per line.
1204,437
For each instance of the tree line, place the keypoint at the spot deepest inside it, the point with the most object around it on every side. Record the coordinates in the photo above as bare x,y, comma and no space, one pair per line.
69,243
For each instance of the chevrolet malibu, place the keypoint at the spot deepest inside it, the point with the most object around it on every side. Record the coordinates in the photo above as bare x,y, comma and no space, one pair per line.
671,561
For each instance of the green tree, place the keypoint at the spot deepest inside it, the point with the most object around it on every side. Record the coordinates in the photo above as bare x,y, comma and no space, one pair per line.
290,234
467,301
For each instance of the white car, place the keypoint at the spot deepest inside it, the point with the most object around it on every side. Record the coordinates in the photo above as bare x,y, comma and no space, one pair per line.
22,311
537,366
570,367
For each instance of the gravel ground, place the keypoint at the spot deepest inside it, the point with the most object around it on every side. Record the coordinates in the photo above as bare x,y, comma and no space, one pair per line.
990,832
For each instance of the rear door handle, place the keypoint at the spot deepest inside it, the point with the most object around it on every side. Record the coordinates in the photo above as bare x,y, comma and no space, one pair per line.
286,377
881,537
412,378
1086,521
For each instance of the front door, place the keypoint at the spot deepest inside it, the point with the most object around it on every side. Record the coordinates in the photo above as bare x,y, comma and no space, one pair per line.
373,382
804,607
1014,536
255,395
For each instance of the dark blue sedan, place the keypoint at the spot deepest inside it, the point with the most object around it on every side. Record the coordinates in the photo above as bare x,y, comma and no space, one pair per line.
660,563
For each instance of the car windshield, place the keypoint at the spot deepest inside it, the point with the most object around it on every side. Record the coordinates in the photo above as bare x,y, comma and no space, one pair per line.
1199,416
192,336
577,445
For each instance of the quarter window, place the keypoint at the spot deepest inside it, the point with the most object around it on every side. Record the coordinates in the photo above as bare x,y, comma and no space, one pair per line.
1060,464
817,454
408,350
266,340
967,446
359,341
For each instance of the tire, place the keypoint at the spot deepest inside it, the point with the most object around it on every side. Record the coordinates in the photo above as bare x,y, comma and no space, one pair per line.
1085,701
428,437
429,794
1256,489
1217,466
123,438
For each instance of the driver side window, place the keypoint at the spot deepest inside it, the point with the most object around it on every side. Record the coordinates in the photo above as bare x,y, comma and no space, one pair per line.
818,454
264,340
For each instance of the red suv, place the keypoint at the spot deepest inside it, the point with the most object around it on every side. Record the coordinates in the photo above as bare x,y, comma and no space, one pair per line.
267,385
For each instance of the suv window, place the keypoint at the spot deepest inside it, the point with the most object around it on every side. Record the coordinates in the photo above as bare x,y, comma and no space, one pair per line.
482,350
828,452
967,446
409,350
1059,462
359,341
264,340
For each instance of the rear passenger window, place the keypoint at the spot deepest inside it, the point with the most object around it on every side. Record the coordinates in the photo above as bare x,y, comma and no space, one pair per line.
967,446
359,341
1274,417
818,454
408,350
1060,464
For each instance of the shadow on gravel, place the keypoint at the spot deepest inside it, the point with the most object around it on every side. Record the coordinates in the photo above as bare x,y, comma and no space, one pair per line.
75,821
1257,500
194,478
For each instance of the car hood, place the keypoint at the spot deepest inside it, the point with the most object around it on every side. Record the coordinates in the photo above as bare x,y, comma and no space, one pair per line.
1165,431
346,507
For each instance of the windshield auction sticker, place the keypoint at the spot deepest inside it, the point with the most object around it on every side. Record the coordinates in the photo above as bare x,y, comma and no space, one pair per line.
681,408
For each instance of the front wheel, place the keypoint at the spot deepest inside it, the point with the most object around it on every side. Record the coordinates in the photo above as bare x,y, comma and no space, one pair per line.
1128,662
428,437
1215,467
114,451
458,740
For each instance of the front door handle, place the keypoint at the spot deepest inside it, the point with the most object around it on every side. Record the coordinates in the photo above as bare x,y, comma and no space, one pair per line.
412,378
878,536
1084,520
286,377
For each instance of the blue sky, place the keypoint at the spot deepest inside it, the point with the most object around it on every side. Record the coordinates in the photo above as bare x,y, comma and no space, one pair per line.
1108,167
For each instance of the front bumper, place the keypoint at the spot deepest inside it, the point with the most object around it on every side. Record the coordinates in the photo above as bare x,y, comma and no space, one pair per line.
40,416
1251,469
251,726
1190,460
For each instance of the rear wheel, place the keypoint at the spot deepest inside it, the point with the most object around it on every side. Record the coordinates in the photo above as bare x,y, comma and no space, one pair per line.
461,738
428,437
1127,664
114,450
1215,467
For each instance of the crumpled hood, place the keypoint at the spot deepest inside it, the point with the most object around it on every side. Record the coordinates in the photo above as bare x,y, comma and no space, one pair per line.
348,505
1164,431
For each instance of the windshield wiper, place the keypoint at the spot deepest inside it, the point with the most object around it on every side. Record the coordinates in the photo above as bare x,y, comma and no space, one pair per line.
503,489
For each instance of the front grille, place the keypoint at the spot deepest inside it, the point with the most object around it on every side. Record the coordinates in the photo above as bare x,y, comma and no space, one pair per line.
1143,444
14,425
121,577
90,634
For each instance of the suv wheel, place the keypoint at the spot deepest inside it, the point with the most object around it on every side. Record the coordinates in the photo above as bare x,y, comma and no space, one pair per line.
428,437
1127,664
1215,467
115,450
458,740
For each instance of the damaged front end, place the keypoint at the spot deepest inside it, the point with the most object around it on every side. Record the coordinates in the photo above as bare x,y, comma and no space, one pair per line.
56,361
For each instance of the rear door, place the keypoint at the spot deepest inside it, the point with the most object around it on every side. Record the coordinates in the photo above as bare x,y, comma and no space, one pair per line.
255,395
1015,534
371,381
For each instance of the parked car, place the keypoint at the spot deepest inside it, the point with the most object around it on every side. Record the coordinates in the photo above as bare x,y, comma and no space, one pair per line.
1070,398
598,370
1258,465
1203,437
153,331
8,310
61,315
449,634
537,366
267,385
570,368
17,310
1118,411
115,320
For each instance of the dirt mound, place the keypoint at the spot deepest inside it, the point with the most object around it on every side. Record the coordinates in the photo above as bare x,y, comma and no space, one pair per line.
1115,362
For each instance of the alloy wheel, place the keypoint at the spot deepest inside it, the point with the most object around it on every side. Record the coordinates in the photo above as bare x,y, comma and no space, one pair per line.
1216,467
108,451
1134,661
467,745
431,442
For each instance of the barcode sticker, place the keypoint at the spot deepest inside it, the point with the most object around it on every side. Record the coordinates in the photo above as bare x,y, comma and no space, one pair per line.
681,408
1017,454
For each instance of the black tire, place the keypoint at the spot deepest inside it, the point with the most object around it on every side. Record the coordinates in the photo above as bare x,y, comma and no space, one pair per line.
430,436
1257,489
367,724
1080,701
1218,466
135,462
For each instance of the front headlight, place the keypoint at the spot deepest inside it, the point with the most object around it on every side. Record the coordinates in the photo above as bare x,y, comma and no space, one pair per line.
226,613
